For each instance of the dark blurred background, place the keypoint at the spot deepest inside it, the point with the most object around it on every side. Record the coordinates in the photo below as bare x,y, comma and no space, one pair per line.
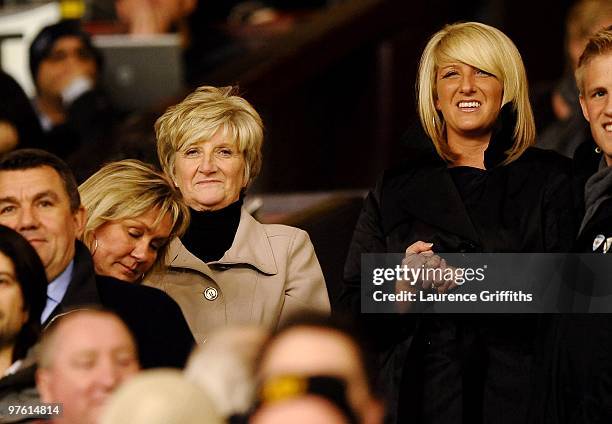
334,80
336,91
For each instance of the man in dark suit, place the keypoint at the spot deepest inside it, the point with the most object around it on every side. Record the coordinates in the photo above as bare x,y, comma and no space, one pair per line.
39,199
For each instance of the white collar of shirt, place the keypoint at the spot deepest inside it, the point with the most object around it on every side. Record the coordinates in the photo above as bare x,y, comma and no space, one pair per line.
44,120
13,368
56,291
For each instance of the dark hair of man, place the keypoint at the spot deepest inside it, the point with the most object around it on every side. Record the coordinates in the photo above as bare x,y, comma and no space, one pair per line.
32,280
43,43
23,159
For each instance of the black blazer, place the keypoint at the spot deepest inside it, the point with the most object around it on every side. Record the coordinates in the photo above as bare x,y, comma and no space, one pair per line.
156,321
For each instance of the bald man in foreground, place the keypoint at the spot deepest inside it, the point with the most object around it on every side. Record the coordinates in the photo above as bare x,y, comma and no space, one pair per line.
84,356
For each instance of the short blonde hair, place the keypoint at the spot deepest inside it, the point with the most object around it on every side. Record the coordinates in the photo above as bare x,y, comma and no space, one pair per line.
600,44
200,116
160,396
127,189
485,48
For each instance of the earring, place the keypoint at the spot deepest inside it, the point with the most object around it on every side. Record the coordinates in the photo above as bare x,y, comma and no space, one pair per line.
95,247
597,149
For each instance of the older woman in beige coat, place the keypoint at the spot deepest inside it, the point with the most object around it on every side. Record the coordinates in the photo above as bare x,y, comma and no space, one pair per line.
229,268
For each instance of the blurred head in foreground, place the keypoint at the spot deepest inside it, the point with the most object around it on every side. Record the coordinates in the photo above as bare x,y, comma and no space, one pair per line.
225,367
318,349
161,396
84,356
300,399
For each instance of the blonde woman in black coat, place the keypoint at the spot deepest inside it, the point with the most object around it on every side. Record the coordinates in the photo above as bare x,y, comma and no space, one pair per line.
472,183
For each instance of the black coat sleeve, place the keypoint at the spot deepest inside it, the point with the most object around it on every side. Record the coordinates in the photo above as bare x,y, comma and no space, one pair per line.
169,340
379,331
368,237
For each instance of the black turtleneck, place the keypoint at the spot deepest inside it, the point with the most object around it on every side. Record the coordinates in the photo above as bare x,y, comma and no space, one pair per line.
210,234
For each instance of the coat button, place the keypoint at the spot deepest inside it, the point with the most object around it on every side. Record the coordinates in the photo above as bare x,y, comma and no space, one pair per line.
210,293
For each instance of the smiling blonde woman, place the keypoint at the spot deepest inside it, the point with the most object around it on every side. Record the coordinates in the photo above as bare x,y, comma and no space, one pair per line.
471,183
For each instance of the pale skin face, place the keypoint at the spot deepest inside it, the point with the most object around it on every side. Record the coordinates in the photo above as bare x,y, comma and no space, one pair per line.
34,203
210,174
470,101
67,60
316,351
596,102
92,355
13,315
128,248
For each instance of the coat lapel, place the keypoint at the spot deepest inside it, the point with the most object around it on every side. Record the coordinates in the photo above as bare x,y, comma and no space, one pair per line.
180,257
251,246
430,195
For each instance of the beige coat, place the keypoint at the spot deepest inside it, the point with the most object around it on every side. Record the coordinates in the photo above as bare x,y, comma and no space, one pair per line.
270,273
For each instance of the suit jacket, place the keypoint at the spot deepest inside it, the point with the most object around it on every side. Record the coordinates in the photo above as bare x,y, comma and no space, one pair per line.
155,320
269,274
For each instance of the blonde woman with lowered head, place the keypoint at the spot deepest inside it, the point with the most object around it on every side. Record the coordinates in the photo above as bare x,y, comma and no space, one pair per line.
471,183
133,212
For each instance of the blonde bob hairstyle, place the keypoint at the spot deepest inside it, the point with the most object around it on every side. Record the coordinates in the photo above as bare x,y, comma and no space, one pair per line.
487,49
200,116
599,44
127,189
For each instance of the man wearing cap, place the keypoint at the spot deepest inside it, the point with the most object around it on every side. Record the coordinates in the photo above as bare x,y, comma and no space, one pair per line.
75,115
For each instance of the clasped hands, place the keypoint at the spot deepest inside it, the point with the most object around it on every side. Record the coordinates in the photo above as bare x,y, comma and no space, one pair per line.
420,255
